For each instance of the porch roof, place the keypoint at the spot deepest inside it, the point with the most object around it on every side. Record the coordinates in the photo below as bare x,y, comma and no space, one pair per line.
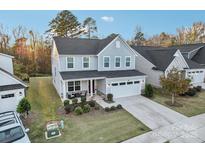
99,74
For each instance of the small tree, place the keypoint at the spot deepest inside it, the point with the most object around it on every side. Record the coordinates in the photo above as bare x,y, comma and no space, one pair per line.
24,106
148,90
174,83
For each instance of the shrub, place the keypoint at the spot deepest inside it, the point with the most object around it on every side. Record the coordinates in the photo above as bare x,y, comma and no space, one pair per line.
83,99
66,102
198,88
75,100
191,92
148,90
78,110
92,103
69,108
119,106
23,106
110,97
86,108
107,109
113,108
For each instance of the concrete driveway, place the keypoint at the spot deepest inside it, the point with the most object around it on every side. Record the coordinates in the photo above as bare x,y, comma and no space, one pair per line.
149,112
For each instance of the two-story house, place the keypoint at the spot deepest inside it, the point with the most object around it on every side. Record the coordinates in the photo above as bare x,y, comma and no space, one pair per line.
95,65
12,89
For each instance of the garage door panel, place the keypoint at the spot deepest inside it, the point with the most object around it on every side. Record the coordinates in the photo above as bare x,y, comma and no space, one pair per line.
126,90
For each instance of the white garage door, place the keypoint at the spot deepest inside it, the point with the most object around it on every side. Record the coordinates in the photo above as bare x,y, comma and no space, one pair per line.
123,88
196,76
8,102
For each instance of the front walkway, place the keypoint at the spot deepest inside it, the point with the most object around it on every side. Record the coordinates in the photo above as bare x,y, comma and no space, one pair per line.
149,112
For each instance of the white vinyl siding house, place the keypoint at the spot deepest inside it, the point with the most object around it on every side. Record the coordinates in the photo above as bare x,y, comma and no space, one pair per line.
12,90
96,72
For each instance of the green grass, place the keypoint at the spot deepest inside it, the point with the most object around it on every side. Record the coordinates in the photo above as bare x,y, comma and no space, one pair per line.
96,126
191,105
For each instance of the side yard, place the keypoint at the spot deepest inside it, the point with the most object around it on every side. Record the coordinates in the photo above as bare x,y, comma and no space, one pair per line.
188,105
95,126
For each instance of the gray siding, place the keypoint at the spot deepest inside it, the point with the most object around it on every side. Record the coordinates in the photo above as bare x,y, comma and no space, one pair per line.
144,66
112,51
78,63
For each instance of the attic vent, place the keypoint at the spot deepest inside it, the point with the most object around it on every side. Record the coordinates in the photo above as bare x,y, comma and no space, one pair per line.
117,44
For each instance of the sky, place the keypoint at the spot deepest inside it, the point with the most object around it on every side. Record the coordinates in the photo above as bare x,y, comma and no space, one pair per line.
122,22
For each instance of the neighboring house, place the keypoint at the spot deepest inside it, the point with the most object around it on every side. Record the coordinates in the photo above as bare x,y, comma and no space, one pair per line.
95,65
158,61
12,89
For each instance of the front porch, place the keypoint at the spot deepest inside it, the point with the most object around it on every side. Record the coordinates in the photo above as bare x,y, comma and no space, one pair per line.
82,88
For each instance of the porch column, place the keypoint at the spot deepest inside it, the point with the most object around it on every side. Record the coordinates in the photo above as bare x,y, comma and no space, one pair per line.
64,90
91,87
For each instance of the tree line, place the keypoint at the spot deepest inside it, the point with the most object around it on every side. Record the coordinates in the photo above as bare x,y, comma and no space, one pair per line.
184,35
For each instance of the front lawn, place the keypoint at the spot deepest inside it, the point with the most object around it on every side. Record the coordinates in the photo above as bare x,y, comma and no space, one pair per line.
95,126
191,106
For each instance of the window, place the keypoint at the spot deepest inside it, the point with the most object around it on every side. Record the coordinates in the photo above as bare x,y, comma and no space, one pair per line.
127,61
136,82
117,44
106,61
7,96
70,86
130,82
122,83
86,61
114,84
77,85
201,71
117,61
74,86
197,71
70,62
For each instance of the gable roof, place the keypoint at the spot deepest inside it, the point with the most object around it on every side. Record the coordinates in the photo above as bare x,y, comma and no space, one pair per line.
81,46
200,56
160,57
13,76
192,64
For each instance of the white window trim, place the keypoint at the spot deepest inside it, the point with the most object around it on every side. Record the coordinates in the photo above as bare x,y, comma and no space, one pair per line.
104,61
130,61
74,86
67,62
88,62
115,61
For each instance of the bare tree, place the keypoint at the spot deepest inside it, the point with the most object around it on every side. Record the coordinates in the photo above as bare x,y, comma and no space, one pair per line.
19,32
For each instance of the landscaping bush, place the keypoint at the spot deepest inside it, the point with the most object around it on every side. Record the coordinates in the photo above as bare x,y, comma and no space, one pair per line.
24,106
78,110
113,108
148,90
110,97
119,106
66,102
83,99
191,92
75,101
92,103
69,108
86,108
107,109
198,88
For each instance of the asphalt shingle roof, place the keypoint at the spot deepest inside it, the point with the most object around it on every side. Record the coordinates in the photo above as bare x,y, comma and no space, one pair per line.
11,87
188,47
95,74
160,57
81,46
200,56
